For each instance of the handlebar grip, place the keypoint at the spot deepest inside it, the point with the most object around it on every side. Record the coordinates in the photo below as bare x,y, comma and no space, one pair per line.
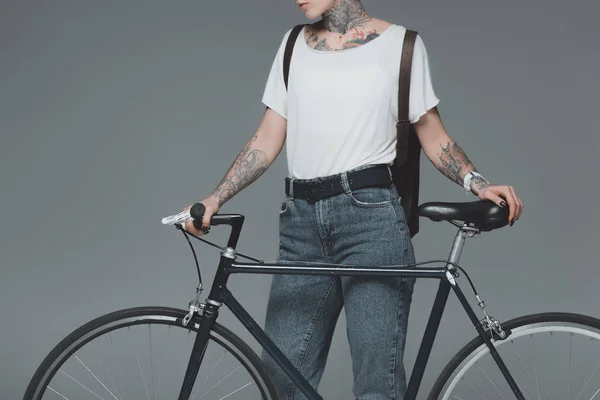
197,212
234,220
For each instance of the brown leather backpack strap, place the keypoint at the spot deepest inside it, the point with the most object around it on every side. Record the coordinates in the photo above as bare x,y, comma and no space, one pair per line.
402,125
289,48
405,169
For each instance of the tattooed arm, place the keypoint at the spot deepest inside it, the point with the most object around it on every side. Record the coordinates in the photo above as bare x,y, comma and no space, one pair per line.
451,160
249,164
445,154
254,159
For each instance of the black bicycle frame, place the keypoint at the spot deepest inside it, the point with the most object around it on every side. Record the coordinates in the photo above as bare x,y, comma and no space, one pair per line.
220,295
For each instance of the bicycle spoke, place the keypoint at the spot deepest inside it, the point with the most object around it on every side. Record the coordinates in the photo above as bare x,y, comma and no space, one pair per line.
235,391
208,376
524,367
107,374
57,393
158,383
181,352
95,377
475,390
489,379
549,380
218,383
151,358
588,381
537,383
522,362
161,367
119,366
570,364
82,385
595,394
142,372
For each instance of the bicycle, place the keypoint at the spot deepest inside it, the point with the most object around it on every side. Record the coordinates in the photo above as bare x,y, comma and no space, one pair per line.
199,322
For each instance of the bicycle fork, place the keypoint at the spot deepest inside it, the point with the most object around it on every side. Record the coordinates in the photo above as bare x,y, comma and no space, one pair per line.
207,319
208,314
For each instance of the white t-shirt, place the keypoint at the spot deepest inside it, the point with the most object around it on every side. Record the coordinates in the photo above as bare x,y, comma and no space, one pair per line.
341,107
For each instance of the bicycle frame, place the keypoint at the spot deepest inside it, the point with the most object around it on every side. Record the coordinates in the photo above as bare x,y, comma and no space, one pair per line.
220,295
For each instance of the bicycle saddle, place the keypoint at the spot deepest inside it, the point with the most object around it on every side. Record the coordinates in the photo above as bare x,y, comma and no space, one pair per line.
484,215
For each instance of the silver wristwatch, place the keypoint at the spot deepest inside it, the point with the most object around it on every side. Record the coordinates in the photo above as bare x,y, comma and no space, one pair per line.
469,177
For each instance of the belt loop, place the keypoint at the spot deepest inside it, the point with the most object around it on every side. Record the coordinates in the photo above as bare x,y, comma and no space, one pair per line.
291,187
345,185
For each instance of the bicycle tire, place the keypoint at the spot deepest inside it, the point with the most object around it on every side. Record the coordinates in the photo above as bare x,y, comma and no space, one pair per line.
473,345
136,316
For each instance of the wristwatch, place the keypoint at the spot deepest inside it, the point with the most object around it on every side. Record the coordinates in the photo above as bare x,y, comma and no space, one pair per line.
468,177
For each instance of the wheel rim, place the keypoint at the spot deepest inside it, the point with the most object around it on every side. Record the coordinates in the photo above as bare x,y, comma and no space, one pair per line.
152,385
541,328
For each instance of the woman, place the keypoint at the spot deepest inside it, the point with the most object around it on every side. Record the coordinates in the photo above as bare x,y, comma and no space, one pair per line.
338,115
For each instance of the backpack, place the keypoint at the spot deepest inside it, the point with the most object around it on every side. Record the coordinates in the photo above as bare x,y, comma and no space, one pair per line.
405,168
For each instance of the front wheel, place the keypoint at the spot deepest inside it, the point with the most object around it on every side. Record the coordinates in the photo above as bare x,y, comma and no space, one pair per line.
142,353
550,356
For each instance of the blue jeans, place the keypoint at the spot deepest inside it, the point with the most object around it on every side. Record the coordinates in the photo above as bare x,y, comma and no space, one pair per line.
362,227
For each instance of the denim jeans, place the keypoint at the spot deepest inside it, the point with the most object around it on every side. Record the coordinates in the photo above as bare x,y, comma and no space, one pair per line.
361,227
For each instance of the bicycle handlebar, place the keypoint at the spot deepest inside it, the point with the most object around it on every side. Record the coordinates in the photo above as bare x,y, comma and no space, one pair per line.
196,213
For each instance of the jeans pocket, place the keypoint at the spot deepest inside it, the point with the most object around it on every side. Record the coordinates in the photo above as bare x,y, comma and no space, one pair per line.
285,205
371,197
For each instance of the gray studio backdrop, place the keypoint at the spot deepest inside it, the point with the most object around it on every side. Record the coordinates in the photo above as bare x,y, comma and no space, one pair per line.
114,114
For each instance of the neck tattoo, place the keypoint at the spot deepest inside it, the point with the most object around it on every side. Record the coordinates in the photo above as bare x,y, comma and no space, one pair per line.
344,16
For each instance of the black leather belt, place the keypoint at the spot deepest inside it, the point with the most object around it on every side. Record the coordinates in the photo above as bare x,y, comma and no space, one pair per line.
320,188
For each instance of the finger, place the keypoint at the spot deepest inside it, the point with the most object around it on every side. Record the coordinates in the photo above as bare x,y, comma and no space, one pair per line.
504,201
495,198
512,193
188,225
512,202
519,202
504,193
206,220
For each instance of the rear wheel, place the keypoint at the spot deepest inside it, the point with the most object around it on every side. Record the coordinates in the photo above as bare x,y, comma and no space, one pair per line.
550,356
142,353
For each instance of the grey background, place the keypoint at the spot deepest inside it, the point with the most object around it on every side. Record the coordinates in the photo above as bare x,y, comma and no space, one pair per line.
114,114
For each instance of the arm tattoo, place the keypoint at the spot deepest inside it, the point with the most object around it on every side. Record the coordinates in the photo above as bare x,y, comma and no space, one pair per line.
477,184
246,168
454,164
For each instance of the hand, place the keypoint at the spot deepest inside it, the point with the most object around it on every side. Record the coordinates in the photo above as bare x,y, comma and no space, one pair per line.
212,207
498,194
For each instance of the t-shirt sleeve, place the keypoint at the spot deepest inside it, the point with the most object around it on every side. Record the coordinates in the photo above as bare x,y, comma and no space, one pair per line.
275,93
422,97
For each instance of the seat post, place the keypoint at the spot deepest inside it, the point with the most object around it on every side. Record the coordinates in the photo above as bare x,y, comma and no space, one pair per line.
459,241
